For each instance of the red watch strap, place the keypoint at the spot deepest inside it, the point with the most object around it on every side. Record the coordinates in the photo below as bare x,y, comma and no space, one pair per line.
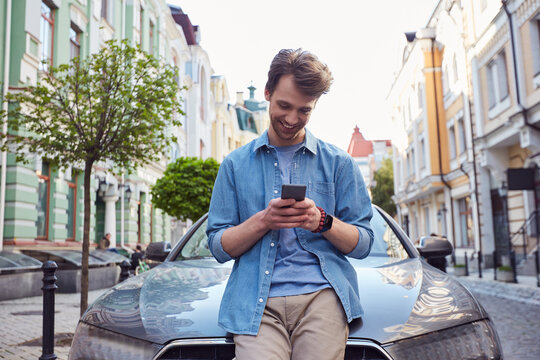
321,222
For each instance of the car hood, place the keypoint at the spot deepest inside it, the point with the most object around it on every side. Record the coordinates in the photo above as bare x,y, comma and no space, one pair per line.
179,300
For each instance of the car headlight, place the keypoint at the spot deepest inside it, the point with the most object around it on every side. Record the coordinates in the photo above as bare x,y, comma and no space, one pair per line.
476,340
91,343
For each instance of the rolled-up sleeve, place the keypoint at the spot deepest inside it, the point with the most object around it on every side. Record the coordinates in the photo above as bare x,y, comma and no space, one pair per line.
354,206
223,212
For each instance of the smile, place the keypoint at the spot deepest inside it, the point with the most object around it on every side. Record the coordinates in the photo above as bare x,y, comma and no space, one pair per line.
286,126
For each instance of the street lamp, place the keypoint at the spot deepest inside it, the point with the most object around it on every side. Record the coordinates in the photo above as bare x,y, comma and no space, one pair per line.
503,190
127,191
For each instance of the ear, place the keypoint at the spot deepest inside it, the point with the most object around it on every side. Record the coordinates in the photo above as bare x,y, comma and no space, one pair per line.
266,94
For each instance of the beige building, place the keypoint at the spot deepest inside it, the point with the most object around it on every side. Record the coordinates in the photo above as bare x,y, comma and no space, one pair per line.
469,112
235,124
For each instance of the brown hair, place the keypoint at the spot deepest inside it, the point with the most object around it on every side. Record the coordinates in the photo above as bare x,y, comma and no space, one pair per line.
312,77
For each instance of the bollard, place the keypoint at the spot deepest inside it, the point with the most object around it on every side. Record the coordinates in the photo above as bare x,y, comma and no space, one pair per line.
124,272
494,264
537,261
480,264
49,286
466,265
513,265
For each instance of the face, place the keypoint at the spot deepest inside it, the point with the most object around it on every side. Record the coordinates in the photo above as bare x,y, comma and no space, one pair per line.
290,111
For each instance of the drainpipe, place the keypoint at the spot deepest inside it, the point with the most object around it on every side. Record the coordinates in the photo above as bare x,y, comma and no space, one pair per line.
439,140
7,43
523,110
477,199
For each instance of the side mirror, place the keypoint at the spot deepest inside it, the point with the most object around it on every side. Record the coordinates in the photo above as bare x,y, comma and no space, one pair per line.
434,246
158,251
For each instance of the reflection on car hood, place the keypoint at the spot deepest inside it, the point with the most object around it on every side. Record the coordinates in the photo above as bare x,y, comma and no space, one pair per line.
179,300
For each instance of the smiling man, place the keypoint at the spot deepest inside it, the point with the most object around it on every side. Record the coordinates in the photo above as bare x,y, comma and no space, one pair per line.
292,292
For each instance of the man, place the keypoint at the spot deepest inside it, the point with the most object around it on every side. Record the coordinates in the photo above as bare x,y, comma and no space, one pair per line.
291,292
105,242
136,256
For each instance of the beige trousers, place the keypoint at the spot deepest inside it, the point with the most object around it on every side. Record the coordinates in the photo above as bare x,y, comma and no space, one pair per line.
309,326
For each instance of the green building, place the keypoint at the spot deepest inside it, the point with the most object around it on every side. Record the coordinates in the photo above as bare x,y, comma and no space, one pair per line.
42,206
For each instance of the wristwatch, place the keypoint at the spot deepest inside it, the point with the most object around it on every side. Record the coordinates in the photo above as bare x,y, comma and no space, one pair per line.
325,223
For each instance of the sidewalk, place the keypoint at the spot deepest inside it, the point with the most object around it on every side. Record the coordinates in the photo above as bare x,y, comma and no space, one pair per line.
525,291
22,325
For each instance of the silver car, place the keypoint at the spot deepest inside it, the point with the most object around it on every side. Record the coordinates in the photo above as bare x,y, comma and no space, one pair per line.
412,310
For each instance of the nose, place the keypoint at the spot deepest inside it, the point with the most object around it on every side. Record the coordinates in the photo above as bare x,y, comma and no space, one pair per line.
291,118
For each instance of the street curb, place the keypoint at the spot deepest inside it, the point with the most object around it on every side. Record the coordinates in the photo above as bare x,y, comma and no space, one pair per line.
517,292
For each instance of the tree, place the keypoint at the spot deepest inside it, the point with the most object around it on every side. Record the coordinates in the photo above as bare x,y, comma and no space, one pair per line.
384,188
185,189
117,105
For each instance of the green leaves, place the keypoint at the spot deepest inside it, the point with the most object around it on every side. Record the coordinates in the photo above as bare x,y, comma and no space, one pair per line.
185,189
115,105
383,191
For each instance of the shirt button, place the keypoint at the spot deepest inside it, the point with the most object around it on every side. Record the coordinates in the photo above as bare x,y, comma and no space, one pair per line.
268,151
272,244
261,300
275,191
267,272
275,164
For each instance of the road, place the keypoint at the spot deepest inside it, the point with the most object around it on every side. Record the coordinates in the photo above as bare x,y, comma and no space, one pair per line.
517,323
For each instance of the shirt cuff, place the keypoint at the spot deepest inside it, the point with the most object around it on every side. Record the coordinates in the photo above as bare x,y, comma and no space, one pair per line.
217,249
362,248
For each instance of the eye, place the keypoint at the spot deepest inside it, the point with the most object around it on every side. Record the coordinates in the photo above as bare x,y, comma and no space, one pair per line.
305,111
283,106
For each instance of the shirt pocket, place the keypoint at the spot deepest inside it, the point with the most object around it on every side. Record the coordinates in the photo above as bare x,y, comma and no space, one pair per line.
324,188
323,193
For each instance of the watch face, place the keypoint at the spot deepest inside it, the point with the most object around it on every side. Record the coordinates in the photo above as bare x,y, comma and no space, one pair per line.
328,221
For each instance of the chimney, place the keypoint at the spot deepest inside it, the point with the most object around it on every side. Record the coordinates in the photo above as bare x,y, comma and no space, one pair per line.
240,98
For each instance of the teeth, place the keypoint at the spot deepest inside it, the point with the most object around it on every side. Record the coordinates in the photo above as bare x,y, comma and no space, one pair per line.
288,126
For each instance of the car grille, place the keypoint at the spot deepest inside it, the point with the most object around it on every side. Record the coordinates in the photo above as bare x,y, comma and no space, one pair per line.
223,349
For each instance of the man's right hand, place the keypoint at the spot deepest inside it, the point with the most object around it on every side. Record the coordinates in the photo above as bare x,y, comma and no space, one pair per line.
280,215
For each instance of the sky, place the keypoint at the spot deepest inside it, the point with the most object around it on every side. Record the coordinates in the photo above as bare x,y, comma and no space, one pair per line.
361,42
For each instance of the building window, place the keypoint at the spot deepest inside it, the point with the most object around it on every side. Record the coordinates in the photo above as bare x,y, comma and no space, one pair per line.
72,207
413,162
42,207
497,80
445,80
107,10
75,41
151,38
427,225
535,45
461,135
455,69
420,97
465,223
177,71
46,36
423,154
452,141
141,13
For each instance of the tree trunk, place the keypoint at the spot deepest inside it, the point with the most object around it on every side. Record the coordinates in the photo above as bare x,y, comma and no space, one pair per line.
86,236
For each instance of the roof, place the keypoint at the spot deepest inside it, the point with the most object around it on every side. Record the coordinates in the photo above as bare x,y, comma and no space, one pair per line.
359,147
182,19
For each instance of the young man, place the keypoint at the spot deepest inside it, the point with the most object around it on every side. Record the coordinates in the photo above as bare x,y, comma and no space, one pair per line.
291,292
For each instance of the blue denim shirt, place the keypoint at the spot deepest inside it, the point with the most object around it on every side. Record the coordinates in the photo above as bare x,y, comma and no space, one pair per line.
247,180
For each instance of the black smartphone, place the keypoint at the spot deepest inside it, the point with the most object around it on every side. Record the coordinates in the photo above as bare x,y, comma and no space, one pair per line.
293,191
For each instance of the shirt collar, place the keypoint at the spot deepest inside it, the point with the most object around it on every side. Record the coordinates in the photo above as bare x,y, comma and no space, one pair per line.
310,142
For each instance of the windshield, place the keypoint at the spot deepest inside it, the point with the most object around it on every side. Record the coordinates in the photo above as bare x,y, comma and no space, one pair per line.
386,243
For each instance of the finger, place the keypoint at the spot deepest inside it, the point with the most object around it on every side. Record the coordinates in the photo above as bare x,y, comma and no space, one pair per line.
281,203
304,204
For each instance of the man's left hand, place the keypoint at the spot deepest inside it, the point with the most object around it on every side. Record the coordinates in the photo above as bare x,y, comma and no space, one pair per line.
308,208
